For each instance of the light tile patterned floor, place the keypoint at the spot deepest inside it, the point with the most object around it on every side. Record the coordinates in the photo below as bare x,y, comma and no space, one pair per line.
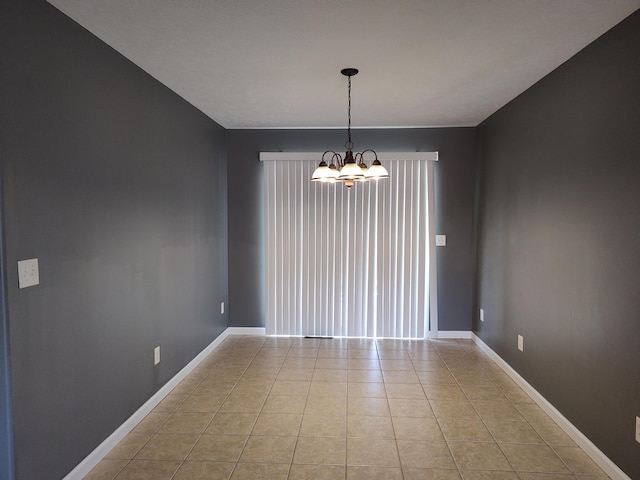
294,408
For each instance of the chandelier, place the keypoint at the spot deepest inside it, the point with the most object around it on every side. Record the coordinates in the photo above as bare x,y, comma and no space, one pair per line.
352,168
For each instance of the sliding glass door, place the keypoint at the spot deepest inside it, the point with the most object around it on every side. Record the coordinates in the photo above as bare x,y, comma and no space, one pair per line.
347,262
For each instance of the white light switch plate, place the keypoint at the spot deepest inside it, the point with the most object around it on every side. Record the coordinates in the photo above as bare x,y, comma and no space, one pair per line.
521,343
156,355
28,274
441,240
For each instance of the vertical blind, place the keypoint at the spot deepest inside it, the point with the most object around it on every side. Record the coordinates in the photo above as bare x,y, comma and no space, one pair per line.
347,263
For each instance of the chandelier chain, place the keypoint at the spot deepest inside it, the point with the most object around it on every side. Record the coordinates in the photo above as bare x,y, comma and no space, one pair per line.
349,143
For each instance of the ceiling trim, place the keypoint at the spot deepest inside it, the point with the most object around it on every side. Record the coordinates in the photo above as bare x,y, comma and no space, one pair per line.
315,156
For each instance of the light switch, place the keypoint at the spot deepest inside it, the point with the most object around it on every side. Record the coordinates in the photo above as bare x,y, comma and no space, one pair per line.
441,240
28,274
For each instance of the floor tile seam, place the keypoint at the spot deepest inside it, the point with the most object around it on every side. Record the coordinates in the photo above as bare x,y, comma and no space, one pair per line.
321,436
127,462
455,461
151,460
237,461
222,402
448,446
138,450
343,464
566,464
528,423
264,402
234,383
172,476
531,425
215,413
393,427
169,414
185,458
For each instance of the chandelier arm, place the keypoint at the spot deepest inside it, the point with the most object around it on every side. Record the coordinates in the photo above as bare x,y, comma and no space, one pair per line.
369,150
328,151
338,158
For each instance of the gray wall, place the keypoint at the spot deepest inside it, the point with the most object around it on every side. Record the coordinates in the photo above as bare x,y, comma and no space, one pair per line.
454,190
558,239
118,187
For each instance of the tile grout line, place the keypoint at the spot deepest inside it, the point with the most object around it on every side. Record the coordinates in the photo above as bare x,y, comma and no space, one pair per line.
306,400
386,394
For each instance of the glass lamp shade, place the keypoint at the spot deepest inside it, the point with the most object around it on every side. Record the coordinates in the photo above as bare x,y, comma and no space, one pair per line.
323,174
376,171
351,171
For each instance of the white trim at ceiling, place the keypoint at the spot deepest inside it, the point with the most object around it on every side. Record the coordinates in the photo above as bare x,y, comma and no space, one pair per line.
316,156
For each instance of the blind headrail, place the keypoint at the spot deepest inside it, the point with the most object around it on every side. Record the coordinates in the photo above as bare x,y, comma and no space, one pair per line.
316,156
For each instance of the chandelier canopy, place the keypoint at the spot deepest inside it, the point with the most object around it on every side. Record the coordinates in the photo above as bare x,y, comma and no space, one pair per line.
352,168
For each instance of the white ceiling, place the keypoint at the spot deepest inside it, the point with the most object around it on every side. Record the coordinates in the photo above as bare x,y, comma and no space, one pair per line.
276,63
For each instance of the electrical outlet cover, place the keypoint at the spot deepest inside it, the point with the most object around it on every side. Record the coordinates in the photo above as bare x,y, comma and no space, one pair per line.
521,343
638,429
28,273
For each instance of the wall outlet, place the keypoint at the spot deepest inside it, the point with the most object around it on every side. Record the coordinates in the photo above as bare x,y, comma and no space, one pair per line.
222,308
521,343
441,240
638,429
156,355
28,273
482,315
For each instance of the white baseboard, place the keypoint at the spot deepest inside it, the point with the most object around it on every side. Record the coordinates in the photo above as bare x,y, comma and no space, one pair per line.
451,334
576,435
246,331
91,460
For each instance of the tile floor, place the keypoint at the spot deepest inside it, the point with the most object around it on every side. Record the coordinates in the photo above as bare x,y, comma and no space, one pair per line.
294,408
